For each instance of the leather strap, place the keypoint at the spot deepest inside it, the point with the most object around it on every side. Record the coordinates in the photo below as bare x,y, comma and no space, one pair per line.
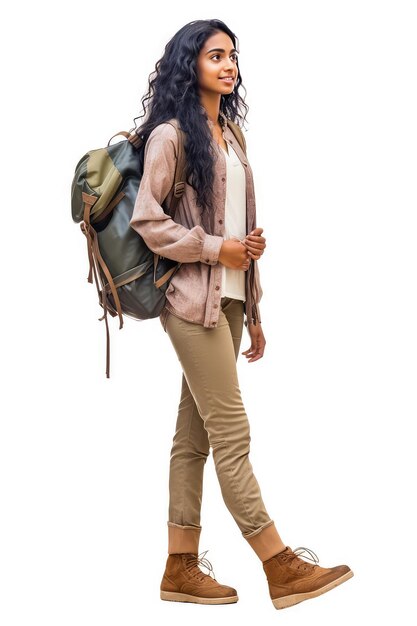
161,281
121,132
179,184
96,261
110,207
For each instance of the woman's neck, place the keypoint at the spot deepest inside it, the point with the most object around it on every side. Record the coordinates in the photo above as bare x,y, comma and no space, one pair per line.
211,106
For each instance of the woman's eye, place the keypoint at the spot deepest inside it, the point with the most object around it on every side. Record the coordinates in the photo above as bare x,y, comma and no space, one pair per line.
218,55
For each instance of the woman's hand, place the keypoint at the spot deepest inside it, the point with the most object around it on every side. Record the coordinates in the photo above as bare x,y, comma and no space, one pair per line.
257,348
238,254
255,244
234,254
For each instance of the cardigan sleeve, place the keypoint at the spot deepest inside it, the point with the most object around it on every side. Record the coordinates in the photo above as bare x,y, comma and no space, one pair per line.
160,232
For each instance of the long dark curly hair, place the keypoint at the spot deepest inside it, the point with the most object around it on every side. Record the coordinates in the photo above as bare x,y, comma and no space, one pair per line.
173,93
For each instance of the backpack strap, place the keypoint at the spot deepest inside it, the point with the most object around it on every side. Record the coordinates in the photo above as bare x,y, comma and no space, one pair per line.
179,183
179,187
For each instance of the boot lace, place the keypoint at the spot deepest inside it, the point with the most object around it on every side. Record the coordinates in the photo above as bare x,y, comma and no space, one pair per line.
193,562
295,556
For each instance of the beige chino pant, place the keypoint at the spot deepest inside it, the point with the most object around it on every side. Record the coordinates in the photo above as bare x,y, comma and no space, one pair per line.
211,414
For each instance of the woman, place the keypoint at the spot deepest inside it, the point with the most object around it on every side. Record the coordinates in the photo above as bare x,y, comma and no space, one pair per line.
217,286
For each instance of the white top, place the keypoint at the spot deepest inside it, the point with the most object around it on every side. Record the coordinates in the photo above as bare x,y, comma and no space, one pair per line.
233,281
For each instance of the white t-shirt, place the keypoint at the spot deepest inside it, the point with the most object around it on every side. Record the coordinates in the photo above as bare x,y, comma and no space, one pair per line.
233,281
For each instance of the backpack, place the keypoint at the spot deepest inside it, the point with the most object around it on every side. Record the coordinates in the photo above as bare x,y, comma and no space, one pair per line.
133,279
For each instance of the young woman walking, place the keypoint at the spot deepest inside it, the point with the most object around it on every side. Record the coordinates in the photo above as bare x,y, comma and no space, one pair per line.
215,292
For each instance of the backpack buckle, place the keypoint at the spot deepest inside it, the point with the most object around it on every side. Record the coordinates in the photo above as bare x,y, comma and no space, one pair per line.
179,189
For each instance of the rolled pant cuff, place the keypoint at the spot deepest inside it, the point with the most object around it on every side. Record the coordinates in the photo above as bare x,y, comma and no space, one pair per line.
265,541
183,539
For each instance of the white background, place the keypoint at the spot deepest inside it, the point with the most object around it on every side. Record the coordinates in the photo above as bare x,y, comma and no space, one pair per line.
84,460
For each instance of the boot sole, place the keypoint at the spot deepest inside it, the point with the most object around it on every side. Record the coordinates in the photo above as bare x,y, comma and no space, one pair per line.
174,596
286,601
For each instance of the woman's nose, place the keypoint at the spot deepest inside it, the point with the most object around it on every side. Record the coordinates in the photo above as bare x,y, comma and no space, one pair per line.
228,66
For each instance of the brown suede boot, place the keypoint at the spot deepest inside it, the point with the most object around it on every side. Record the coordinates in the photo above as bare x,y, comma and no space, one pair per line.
292,580
183,581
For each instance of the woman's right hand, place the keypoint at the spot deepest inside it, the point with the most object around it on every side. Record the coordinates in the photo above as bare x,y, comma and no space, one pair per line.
234,254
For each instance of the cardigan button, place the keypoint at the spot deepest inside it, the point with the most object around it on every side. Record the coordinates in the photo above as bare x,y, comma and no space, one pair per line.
223,178
220,221
217,287
215,306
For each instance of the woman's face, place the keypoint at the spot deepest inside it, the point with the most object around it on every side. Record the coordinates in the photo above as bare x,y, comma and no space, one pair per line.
216,61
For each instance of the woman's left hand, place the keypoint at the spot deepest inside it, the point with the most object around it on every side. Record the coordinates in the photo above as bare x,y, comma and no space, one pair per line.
257,348
255,244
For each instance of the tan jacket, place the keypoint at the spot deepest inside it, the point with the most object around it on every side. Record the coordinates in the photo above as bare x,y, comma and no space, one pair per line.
194,292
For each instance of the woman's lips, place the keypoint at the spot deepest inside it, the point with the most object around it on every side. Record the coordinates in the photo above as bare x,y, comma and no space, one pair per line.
227,79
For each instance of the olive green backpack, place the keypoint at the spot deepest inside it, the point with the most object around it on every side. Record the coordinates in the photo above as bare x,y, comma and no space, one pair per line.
133,279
